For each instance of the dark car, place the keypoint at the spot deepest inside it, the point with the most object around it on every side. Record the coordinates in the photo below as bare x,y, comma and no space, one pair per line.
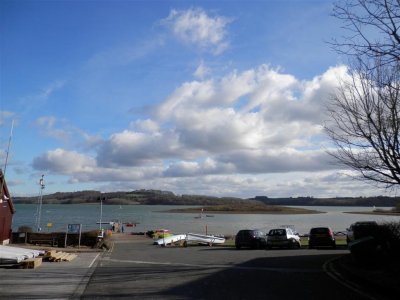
362,229
321,237
251,238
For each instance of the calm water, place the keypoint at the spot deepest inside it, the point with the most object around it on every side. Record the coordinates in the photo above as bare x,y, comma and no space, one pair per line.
151,217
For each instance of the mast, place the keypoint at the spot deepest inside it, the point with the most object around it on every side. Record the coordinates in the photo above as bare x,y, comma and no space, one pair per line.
6,161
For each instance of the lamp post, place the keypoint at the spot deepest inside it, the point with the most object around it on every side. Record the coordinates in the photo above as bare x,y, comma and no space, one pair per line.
39,207
101,211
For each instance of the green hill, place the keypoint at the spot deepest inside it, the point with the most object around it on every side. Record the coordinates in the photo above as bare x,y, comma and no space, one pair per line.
157,197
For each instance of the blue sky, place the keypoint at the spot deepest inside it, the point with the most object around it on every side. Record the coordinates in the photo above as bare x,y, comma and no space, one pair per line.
221,98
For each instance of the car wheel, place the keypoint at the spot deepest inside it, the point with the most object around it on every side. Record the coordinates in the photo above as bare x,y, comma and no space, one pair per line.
257,245
292,244
238,246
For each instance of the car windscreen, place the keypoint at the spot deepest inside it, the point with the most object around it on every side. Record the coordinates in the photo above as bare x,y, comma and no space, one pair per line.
277,232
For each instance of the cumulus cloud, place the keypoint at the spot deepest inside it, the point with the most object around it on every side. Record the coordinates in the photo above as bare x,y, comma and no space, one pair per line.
132,148
64,162
147,125
194,26
240,127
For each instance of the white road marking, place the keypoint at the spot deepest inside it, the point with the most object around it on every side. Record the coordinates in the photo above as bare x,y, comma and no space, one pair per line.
94,259
331,272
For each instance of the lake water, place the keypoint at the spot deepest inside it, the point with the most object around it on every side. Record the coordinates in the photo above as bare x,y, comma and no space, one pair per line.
151,217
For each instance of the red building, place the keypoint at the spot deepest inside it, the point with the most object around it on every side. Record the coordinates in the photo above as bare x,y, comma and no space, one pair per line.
7,211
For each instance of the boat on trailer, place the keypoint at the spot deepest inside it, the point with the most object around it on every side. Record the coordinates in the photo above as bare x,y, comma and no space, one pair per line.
205,239
190,238
167,240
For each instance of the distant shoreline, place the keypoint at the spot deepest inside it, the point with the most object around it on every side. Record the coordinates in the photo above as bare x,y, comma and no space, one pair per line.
245,209
379,213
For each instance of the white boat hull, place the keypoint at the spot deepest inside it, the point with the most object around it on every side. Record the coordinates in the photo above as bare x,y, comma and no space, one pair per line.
205,239
191,237
170,239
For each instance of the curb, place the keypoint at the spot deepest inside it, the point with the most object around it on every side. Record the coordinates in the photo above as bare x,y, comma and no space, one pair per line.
331,270
357,279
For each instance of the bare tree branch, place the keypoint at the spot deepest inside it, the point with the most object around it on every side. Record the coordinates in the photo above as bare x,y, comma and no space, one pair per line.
373,27
365,123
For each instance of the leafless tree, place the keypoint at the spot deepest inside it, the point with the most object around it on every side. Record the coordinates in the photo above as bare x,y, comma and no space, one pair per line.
365,123
365,110
373,28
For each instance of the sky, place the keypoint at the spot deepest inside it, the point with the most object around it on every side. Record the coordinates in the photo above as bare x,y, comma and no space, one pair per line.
219,98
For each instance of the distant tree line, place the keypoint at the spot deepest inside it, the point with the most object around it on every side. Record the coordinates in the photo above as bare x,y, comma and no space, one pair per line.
144,197
382,201
157,197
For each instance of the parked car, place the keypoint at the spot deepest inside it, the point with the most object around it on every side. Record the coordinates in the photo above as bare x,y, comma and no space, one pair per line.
251,238
321,237
362,229
283,237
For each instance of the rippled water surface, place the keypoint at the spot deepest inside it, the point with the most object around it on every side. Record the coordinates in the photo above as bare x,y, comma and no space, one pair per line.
150,217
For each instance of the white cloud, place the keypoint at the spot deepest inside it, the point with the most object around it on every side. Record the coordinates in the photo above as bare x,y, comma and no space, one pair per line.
234,131
194,26
64,162
61,130
202,71
147,125
48,126
132,148
38,100
50,89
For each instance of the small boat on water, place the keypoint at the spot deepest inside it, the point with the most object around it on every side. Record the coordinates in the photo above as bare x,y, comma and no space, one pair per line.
108,222
200,216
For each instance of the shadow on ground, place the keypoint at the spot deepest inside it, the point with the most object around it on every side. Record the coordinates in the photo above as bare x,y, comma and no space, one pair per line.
289,277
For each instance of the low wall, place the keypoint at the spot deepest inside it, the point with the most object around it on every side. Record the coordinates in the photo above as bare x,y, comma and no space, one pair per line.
56,239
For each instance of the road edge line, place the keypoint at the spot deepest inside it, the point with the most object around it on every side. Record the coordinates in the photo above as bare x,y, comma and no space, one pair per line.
330,270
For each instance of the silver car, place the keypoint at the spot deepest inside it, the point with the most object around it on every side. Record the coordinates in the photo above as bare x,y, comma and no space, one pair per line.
283,237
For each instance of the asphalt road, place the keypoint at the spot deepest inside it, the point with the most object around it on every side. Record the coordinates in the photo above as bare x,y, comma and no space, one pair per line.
139,270
136,269
51,280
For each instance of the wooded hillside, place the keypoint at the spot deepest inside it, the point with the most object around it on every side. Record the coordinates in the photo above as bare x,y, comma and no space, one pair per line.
157,197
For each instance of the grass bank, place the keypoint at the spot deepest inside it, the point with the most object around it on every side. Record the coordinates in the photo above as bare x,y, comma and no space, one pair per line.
378,212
